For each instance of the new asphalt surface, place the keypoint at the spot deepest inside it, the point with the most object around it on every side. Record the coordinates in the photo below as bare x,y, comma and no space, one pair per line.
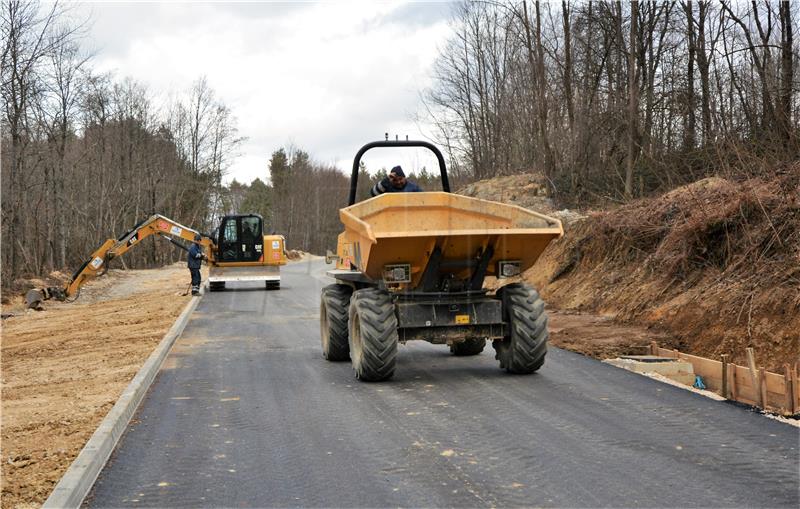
247,413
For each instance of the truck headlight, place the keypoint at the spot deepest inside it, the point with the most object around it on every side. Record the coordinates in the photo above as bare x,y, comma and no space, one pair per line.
508,268
397,273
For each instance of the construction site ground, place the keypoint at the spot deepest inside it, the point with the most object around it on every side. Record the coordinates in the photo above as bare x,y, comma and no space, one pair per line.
63,369
246,413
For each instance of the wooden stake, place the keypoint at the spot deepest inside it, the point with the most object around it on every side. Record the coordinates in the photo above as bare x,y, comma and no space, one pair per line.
725,376
732,386
762,384
795,390
788,388
751,364
653,348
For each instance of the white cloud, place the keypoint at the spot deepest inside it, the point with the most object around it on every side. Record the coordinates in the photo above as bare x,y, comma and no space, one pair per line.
326,77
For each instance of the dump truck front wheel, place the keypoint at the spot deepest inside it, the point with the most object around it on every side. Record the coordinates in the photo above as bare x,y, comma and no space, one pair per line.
373,334
523,349
333,319
468,347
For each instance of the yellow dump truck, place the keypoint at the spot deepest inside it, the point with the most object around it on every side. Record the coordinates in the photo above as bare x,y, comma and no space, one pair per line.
412,266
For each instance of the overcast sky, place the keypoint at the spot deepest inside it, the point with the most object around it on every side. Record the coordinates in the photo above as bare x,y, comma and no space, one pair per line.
327,77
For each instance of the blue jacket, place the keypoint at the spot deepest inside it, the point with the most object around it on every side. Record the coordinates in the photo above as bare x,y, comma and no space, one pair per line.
195,256
385,186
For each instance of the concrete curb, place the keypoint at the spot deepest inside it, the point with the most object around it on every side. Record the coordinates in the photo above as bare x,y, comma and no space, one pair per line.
82,473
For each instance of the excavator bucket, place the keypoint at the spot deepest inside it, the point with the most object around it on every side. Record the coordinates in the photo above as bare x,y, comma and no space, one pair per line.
34,298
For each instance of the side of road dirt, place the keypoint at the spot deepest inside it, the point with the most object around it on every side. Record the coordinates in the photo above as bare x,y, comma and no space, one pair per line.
63,369
714,265
599,336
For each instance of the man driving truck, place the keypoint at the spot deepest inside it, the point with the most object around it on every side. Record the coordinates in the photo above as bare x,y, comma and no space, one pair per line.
395,182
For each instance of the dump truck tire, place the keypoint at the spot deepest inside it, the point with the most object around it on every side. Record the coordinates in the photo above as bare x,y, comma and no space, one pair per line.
524,348
333,319
373,334
468,347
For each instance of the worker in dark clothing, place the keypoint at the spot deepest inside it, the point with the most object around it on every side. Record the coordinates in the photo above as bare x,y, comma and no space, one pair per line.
395,182
194,259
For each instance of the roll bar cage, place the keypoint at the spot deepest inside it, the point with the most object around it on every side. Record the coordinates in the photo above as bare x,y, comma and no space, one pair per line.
396,143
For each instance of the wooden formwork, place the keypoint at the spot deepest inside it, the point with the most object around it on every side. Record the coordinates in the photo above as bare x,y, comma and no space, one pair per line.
749,384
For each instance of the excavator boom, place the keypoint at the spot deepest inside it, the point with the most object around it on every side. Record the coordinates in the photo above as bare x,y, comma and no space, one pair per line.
97,264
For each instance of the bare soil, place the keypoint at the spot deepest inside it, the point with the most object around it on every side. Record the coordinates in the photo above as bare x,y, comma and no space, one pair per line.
64,368
600,336
709,268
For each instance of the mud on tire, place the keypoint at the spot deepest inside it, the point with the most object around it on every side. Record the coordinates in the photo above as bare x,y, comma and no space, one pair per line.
524,348
468,347
333,319
373,334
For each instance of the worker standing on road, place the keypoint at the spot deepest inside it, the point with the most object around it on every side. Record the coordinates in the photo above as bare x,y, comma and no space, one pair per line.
395,182
194,259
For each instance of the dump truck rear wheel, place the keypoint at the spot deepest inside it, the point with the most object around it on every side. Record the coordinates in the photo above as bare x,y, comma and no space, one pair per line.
333,319
524,348
216,286
373,334
468,347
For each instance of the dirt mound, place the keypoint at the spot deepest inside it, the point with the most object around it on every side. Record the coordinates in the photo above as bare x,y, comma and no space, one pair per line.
296,254
528,190
64,367
715,263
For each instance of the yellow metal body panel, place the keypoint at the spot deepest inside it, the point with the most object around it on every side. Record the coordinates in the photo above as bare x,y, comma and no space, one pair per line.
407,227
274,252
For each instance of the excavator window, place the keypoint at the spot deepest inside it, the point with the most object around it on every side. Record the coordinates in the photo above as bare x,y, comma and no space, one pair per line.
241,238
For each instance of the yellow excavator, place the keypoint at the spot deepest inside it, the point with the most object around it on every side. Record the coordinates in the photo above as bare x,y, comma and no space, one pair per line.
238,252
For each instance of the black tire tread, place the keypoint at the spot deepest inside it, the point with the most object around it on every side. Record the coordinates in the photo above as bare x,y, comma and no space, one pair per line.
524,350
336,299
378,324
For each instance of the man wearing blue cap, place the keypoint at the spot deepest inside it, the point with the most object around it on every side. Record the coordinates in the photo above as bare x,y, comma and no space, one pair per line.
194,258
395,182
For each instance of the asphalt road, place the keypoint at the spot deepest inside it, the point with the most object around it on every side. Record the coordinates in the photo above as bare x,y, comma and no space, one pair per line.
247,413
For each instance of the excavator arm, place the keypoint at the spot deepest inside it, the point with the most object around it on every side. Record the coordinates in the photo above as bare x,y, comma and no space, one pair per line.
97,264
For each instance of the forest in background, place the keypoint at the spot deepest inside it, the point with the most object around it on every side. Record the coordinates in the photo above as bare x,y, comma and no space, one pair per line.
618,100
609,101
87,155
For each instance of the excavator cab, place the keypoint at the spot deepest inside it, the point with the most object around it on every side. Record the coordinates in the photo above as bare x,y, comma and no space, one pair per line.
244,253
241,238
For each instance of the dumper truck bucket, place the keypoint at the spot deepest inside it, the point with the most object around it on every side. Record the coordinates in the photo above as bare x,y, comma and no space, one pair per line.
457,232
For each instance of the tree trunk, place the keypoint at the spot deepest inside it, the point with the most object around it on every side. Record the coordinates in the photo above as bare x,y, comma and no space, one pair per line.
703,66
787,70
633,103
689,118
